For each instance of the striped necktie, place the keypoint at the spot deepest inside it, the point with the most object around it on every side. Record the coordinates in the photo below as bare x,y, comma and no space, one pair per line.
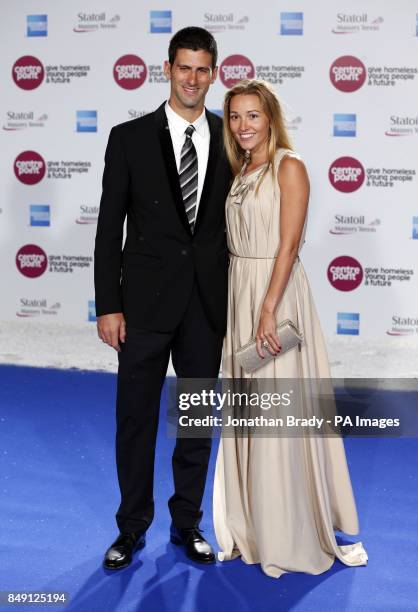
188,176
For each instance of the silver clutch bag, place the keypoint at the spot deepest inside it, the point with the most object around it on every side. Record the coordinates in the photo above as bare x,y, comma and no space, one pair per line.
249,359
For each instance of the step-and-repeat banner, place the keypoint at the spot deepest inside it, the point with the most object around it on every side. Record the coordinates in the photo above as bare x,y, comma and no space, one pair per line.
347,77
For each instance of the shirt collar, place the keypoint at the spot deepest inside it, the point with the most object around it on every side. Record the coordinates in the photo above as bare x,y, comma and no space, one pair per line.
179,125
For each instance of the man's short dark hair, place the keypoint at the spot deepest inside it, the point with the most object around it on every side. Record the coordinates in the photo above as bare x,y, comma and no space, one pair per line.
195,39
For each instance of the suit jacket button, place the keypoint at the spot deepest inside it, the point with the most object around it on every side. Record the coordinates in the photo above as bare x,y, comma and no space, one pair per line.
156,201
184,252
141,238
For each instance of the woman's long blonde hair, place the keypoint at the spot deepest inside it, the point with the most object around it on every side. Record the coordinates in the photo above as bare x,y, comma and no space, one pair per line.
278,136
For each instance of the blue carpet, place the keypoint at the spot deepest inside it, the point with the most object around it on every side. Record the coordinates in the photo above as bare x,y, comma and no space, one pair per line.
59,495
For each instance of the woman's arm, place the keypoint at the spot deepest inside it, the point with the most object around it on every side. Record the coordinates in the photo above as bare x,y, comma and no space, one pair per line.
294,195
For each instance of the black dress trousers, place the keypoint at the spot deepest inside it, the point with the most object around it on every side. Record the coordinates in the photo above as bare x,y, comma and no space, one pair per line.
196,349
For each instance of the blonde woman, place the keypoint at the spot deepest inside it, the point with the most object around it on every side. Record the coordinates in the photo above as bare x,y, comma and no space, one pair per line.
277,500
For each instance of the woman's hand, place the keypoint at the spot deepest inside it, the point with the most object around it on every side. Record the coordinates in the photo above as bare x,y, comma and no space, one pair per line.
267,333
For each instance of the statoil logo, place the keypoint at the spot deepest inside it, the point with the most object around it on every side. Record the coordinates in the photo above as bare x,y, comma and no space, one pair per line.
234,69
29,167
403,326
130,71
31,260
346,174
345,273
347,73
28,72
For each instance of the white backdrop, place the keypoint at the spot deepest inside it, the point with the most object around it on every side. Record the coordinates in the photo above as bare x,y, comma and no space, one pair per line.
349,83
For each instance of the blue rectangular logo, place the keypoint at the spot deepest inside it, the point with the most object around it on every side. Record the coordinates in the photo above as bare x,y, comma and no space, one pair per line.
160,22
37,25
92,310
40,215
344,125
291,24
415,228
348,323
87,121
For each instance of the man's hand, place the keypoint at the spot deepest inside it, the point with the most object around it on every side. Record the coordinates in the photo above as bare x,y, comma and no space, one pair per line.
111,328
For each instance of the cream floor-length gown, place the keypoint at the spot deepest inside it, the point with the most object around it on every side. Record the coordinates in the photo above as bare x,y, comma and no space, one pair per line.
277,500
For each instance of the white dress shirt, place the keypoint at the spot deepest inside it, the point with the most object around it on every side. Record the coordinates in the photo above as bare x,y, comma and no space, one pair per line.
200,137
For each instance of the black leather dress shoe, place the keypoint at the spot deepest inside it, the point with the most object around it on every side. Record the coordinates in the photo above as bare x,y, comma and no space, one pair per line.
194,544
119,555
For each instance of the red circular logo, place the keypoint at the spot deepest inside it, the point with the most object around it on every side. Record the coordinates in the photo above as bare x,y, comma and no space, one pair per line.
347,73
130,72
29,167
31,260
28,72
346,174
345,273
234,69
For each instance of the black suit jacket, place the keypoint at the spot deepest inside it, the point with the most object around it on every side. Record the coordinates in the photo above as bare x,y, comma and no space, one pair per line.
150,281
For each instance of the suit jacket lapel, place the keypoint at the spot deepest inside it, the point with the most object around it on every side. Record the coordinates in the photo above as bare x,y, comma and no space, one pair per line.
170,164
210,176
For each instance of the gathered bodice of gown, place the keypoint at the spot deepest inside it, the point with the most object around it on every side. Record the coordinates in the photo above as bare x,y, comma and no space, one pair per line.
253,212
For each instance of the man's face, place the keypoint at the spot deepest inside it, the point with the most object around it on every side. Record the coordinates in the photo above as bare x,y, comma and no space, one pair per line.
191,75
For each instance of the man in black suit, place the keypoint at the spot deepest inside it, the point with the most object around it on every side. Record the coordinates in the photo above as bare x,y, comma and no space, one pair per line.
165,292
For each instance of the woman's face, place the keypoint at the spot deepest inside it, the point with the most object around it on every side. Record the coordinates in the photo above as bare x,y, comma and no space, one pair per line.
248,122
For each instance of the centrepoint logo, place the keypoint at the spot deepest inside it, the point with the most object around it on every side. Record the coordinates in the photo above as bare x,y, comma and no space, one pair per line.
235,68
347,73
28,72
31,260
345,273
346,174
130,72
29,167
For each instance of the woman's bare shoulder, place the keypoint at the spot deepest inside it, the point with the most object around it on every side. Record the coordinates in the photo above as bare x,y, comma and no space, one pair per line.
292,168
